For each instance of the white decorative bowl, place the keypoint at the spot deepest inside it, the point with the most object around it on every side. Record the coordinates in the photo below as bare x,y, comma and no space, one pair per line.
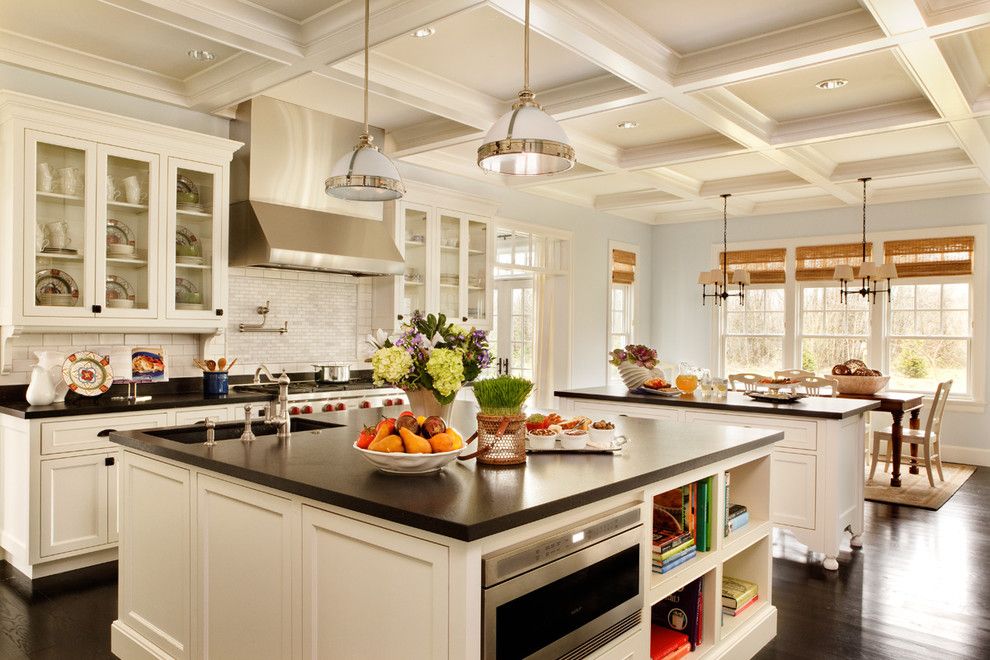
601,437
401,463
634,375
543,442
574,441
860,384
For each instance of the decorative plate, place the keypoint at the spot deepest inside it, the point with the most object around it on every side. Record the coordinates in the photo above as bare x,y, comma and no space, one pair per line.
118,288
185,184
147,365
776,397
182,285
667,391
87,373
119,233
183,236
54,281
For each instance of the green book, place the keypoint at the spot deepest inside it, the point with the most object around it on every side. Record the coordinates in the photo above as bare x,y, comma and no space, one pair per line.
673,551
703,515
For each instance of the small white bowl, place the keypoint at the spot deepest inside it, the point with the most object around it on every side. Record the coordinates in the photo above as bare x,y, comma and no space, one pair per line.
601,437
542,442
579,441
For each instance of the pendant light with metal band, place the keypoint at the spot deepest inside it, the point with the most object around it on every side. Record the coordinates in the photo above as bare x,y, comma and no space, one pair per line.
365,174
719,277
869,273
526,140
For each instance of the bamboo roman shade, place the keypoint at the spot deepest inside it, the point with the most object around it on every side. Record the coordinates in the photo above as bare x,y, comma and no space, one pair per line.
818,262
764,266
623,267
926,257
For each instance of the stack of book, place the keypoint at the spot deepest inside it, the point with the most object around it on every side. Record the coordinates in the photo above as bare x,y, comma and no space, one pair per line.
681,613
738,595
682,520
672,550
738,517
666,644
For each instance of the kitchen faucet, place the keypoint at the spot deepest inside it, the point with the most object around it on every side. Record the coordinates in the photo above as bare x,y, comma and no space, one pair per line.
278,417
257,374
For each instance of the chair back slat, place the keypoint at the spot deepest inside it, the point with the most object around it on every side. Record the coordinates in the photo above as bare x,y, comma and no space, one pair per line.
813,385
750,382
935,415
793,373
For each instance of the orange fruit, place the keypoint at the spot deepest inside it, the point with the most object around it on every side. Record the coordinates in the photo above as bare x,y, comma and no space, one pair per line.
441,442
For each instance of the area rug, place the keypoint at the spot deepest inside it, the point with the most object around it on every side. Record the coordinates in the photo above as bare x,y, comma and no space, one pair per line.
914,490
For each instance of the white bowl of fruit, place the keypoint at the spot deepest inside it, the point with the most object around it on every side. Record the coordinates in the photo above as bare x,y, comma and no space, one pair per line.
410,445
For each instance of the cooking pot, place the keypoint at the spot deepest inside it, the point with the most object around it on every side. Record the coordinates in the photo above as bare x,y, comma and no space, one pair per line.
334,372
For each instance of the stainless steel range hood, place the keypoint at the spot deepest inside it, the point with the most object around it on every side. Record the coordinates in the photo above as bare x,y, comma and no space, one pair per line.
280,216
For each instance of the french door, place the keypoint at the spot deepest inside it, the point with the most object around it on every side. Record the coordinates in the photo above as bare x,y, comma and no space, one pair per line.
514,327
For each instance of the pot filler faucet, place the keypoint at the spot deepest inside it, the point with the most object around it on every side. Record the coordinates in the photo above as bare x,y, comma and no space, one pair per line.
279,416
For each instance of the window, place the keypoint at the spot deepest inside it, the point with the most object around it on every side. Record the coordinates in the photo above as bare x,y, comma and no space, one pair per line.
621,302
832,332
930,336
754,332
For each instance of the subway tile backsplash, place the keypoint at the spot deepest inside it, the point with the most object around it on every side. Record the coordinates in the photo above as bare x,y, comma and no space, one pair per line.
329,317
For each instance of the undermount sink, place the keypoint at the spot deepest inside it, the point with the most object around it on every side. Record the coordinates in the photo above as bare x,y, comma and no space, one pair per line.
191,435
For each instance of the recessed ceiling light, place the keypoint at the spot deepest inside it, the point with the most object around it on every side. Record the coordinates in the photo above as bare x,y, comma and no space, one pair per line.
202,55
627,124
424,32
832,83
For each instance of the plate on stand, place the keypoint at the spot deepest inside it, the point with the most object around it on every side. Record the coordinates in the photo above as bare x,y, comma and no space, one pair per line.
87,373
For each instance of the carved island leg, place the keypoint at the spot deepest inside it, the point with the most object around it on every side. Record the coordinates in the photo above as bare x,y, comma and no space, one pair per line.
896,436
914,425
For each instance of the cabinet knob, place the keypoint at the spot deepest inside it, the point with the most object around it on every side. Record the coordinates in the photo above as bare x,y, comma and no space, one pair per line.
97,309
219,312
399,317
464,319
109,460
105,433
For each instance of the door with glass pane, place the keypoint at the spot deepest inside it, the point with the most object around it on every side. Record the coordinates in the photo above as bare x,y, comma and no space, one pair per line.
416,247
127,234
60,181
449,266
195,239
512,336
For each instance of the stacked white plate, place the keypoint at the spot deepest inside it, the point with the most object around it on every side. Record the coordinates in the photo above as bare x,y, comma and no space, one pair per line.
57,299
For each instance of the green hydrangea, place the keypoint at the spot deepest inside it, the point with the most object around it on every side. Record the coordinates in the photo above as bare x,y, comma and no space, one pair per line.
446,367
391,365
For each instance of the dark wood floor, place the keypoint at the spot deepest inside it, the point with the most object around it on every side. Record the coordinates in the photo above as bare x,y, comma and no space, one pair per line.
919,589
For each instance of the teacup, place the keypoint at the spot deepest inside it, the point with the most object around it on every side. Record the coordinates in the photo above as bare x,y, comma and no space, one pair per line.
132,191
56,235
46,178
71,180
113,192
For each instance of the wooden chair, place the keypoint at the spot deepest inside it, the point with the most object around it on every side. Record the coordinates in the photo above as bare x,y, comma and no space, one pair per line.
750,382
930,438
814,385
796,374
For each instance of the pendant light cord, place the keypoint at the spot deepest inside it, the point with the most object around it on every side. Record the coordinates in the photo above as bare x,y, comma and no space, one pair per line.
725,241
367,37
864,180
526,50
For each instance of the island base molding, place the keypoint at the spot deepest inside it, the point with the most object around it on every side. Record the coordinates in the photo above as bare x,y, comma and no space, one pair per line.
214,566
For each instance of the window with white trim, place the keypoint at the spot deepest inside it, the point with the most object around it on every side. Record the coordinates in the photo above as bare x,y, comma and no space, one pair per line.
753,341
621,302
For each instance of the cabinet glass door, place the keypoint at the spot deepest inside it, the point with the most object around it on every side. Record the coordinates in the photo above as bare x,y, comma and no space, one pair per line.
195,239
416,228
478,273
58,226
450,269
127,232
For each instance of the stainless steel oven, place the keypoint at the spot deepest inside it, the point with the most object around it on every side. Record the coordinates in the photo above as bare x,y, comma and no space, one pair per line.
565,594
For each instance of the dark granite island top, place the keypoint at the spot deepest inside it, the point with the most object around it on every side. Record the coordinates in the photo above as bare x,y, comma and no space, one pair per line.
465,501
817,407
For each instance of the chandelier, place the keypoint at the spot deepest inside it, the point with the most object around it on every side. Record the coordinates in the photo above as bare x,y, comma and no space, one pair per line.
870,274
718,278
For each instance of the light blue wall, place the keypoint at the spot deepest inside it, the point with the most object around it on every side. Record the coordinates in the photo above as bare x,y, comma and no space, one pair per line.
682,327
592,231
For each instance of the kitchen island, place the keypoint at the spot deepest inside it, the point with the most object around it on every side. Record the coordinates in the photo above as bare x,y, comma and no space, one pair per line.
301,549
818,466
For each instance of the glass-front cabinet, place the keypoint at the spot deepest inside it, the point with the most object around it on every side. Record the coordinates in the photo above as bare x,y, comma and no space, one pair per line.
59,245
196,242
416,249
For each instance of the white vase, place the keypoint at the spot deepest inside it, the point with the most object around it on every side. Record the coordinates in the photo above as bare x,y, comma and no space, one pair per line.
424,403
634,375
40,392
51,361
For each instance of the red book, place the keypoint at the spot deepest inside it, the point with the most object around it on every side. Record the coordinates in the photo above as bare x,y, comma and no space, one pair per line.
667,644
742,609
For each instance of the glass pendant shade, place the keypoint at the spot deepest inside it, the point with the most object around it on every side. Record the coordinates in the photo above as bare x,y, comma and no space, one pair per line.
366,175
526,141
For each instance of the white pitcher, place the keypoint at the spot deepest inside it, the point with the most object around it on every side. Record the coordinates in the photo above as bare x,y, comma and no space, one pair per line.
51,362
40,392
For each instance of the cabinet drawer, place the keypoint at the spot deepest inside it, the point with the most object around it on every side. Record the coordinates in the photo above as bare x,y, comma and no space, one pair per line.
663,413
79,434
792,500
197,415
797,434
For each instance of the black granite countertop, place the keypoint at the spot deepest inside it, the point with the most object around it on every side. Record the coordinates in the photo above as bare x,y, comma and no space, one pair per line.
818,407
79,405
465,501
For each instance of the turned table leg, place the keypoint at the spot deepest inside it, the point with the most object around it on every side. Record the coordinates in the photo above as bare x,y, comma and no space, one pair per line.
896,436
914,425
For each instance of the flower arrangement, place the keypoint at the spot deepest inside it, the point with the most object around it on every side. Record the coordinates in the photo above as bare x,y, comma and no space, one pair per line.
637,354
430,354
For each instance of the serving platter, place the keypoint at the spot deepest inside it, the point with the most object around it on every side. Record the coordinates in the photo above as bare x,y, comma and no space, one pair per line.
667,391
777,397
87,373
590,448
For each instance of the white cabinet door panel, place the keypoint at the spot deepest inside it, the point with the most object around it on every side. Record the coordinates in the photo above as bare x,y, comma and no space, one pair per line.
73,503
91,432
197,415
402,576
797,434
793,494
244,583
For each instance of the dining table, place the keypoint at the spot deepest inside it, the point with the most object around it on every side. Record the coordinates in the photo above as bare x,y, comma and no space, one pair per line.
897,404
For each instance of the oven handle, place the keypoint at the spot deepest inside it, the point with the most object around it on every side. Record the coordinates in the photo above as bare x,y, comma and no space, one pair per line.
514,587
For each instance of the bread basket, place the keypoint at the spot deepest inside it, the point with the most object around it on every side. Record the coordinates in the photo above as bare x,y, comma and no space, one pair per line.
860,384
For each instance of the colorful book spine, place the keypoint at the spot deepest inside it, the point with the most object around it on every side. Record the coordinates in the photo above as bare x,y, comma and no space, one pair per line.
736,592
725,503
675,555
673,552
703,508
739,610
664,542
668,566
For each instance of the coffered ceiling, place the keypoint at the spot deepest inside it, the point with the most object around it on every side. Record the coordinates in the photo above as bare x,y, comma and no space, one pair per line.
722,93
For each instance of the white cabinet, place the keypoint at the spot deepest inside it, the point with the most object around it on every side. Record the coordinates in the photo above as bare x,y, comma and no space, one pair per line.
199,415
244,576
447,240
93,432
93,220
793,496
402,578
75,502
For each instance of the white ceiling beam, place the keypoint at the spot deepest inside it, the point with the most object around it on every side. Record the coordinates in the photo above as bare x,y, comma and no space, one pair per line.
741,185
632,200
932,161
678,151
901,114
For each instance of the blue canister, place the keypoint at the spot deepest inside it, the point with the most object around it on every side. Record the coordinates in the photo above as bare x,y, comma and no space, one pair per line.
214,383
